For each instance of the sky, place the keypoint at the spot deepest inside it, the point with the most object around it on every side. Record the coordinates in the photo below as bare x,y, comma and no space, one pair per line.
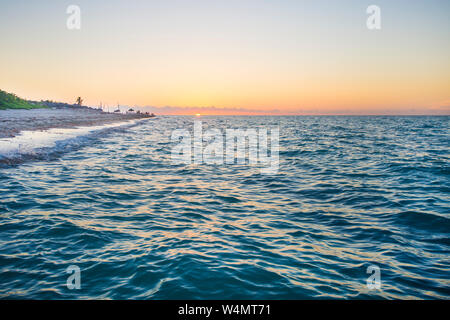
231,57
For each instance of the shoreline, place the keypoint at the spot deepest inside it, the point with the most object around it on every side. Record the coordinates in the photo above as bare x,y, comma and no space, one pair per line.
14,121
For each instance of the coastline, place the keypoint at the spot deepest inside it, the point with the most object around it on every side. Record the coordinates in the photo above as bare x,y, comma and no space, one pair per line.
14,121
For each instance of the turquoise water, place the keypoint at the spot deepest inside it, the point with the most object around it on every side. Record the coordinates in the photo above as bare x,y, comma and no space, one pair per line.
350,192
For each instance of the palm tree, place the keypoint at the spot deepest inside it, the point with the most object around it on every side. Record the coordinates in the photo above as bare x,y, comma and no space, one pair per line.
79,101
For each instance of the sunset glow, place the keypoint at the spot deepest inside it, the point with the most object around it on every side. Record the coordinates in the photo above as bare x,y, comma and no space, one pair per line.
238,57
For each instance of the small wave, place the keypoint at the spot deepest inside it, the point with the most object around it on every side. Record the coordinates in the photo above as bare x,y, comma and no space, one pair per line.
423,220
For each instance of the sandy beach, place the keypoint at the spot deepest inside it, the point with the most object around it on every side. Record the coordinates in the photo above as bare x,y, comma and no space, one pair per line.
13,121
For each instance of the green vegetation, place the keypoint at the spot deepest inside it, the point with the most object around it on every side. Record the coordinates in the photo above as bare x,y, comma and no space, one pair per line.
11,101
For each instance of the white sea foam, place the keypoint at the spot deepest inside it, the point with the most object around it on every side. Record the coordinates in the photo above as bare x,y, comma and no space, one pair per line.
28,141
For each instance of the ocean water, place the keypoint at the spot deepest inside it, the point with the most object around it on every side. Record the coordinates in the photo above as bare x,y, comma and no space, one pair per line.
351,192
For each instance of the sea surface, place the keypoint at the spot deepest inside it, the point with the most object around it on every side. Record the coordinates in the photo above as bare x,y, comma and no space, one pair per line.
350,193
